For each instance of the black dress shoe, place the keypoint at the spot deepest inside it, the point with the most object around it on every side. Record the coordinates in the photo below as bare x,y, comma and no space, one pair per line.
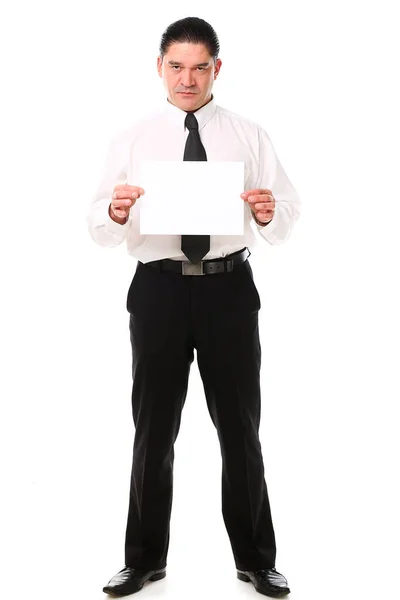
266,581
130,580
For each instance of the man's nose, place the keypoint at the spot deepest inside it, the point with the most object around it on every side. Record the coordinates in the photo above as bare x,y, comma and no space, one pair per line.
187,78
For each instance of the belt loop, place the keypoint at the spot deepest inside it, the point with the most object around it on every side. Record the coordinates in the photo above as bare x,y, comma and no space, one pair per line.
230,262
160,266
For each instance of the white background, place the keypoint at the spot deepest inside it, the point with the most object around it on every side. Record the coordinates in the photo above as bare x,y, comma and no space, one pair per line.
321,77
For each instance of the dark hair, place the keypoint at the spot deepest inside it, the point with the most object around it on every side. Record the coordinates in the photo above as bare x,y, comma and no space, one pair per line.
191,30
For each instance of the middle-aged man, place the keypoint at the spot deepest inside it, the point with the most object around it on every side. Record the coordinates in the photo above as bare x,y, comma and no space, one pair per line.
194,292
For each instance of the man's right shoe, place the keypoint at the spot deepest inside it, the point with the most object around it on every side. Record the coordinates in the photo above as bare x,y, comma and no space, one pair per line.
130,580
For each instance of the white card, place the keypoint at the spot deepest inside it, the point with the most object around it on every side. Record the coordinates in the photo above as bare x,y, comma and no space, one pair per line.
191,197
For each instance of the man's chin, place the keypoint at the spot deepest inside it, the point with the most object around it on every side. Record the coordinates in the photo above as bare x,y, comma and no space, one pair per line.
186,100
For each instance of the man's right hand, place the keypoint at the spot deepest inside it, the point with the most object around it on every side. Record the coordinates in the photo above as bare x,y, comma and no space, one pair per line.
123,198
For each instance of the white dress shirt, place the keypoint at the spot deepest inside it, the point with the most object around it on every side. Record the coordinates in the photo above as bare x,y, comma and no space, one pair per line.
162,136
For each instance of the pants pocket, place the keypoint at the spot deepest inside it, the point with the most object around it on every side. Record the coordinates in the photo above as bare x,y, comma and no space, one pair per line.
131,291
249,272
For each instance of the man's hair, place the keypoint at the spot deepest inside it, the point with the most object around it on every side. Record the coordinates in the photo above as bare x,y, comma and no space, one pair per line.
191,30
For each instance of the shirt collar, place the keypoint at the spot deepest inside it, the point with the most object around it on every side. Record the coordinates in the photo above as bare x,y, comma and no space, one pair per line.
203,114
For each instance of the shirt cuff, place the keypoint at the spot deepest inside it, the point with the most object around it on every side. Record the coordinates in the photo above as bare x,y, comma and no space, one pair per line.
114,227
279,228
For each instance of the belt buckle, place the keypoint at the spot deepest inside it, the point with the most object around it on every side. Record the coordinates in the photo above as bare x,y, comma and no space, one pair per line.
189,268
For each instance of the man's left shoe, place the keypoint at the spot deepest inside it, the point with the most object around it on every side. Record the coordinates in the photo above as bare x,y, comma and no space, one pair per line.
266,581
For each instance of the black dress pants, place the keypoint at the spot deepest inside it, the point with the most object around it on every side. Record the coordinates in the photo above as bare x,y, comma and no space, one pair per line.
170,315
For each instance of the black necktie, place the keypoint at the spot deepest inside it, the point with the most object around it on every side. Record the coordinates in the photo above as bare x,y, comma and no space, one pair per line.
194,246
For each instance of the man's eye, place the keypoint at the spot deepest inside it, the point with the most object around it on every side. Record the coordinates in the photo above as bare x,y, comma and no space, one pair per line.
175,67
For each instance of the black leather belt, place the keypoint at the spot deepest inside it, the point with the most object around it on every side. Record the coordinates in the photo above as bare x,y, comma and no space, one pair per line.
203,267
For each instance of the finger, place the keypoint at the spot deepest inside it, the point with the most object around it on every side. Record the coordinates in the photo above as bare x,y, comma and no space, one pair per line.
264,205
129,188
121,204
255,192
129,191
264,218
138,189
125,194
260,198
265,213
119,213
122,186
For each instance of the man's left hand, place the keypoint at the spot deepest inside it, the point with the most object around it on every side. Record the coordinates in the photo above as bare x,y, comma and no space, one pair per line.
262,203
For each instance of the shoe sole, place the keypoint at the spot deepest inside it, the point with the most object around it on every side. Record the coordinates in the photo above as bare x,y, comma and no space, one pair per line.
273,593
154,577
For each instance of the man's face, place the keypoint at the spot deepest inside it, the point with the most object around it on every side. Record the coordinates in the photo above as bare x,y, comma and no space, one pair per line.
188,72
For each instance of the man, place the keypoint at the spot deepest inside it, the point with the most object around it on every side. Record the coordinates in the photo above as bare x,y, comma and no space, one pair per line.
173,310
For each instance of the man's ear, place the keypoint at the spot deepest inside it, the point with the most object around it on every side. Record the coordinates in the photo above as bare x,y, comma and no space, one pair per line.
159,65
217,67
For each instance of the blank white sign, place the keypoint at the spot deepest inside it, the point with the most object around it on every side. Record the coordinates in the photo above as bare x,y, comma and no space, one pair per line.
191,197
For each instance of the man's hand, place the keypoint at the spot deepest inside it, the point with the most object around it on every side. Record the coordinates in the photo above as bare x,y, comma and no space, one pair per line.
123,198
262,203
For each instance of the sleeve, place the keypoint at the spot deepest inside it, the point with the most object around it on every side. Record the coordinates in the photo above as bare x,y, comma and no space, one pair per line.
272,176
102,228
